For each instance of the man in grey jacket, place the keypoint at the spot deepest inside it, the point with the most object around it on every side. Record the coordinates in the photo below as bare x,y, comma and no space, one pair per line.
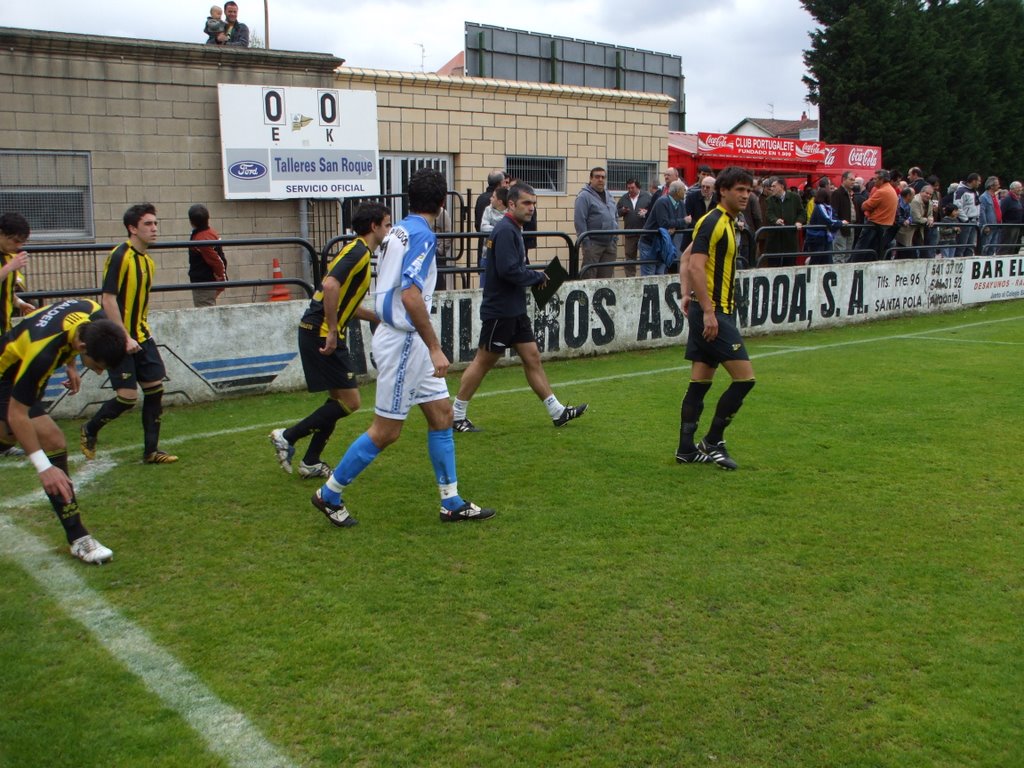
595,209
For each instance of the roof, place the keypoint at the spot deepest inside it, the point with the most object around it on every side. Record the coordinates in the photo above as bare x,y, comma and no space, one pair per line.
455,66
777,128
684,142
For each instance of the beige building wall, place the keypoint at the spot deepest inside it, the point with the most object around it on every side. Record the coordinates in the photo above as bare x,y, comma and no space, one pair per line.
481,121
147,113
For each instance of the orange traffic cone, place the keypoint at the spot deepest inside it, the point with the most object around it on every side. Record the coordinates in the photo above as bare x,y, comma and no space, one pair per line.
279,292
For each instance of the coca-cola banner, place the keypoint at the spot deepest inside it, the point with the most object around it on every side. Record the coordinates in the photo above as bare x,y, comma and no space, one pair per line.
852,156
759,147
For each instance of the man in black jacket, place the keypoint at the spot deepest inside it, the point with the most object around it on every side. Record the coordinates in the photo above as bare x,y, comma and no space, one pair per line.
844,208
504,321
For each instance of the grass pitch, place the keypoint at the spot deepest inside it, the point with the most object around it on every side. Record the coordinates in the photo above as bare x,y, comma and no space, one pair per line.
852,596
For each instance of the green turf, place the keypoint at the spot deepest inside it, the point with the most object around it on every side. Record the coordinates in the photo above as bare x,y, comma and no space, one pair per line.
852,596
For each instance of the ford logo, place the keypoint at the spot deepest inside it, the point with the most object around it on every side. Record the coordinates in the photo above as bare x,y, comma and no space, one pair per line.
247,169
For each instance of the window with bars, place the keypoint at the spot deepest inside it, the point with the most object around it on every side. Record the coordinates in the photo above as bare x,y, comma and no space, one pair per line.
544,174
621,171
53,190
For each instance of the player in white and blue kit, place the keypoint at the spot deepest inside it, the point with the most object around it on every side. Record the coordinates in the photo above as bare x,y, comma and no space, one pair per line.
410,362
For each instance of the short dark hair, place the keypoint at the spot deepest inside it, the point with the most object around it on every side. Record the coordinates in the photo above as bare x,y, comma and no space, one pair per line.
595,169
105,342
230,2
518,190
948,208
199,216
134,215
15,225
632,181
973,177
731,176
367,215
427,191
502,194
705,169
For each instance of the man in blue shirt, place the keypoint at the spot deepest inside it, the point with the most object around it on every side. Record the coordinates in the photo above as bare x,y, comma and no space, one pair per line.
503,315
410,362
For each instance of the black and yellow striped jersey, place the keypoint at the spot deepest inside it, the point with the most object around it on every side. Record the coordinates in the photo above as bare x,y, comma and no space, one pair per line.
351,268
128,275
7,286
31,352
715,235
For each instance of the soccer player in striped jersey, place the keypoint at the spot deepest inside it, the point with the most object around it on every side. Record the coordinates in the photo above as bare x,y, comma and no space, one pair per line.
127,281
707,276
14,232
326,361
410,362
29,354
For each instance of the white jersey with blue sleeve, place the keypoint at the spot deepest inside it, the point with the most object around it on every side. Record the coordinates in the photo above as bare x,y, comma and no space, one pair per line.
407,257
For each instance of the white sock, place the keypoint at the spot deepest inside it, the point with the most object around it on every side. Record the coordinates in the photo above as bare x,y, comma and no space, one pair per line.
459,409
554,407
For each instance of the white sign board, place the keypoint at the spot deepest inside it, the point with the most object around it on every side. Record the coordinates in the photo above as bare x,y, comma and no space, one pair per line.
993,278
279,143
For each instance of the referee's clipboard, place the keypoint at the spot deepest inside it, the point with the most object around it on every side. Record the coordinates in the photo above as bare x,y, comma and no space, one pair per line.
556,276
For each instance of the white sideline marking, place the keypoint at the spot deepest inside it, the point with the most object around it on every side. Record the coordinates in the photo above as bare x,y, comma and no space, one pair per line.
226,731
973,341
773,353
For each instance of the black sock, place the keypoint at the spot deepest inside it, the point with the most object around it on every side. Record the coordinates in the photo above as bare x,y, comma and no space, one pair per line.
320,424
689,414
109,411
67,512
152,407
728,405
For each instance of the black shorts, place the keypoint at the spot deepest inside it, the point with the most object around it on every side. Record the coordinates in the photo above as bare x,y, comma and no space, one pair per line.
728,345
6,390
324,372
144,365
498,334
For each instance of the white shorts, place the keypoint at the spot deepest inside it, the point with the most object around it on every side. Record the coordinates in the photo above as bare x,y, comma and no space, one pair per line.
405,374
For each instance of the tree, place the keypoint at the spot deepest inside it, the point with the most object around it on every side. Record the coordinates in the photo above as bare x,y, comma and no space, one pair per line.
933,82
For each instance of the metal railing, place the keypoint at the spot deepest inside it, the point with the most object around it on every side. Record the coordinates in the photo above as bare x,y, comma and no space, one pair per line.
96,274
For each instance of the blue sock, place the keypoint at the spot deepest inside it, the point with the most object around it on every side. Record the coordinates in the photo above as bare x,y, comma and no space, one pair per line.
441,446
358,457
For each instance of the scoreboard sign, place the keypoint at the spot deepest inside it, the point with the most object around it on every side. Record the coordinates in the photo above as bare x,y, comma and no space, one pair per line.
279,143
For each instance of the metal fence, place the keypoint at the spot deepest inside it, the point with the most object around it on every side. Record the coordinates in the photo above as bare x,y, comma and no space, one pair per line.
76,269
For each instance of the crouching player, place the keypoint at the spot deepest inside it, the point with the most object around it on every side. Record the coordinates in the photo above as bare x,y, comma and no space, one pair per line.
29,354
